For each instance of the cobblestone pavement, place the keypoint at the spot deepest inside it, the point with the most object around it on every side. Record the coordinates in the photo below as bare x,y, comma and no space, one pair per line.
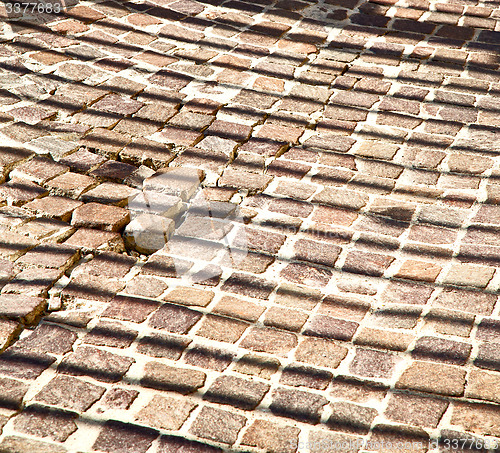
326,174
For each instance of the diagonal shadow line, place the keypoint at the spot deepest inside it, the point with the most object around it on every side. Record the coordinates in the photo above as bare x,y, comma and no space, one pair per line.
313,101
327,236
297,414
128,28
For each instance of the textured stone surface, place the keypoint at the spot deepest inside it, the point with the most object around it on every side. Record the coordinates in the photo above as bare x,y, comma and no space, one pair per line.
101,365
433,378
16,306
249,226
298,405
103,217
218,425
70,393
272,437
165,412
236,392
163,377
121,437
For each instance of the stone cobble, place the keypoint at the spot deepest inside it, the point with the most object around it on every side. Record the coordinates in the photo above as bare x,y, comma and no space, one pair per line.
249,226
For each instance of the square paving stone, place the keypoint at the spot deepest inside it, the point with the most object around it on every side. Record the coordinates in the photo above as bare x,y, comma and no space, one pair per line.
221,328
307,275
166,266
113,171
165,412
474,302
118,104
13,245
11,156
331,328
236,392
33,282
90,240
477,418
209,357
101,365
39,170
56,147
70,393
351,418
267,339
49,230
248,285
118,398
110,334
110,193
83,161
48,338
105,142
358,390
55,256
157,203
96,215
384,437
320,352
54,207
433,378
416,410
24,364
297,375
238,308
372,363
92,287
42,421
147,233
205,228
12,393
17,444
175,379
129,308
179,182
109,264
12,216
218,425
483,385
119,437
8,332
143,151
70,184
237,179
441,350
19,191
298,405
272,436
19,306
488,357
174,319
189,296
171,444
166,346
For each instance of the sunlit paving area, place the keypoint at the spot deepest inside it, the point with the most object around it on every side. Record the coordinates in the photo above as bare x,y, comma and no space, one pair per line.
249,226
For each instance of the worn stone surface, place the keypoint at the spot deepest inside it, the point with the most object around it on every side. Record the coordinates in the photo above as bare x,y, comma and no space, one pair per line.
272,437
433,378
70,393
249,226
215,424
165,412
163,377
99,216
16,306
